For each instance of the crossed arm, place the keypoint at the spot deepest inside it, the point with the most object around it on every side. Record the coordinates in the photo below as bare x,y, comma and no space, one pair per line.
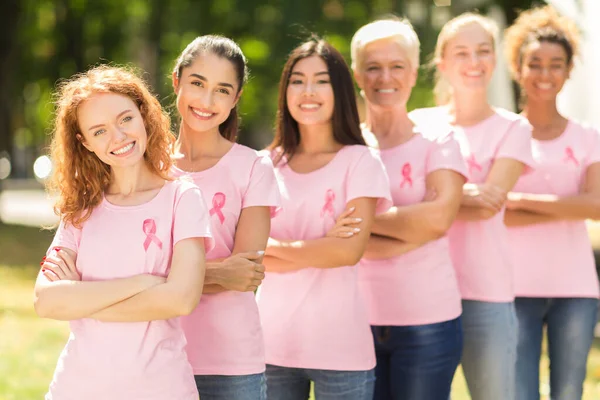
59,294
330,251
529,208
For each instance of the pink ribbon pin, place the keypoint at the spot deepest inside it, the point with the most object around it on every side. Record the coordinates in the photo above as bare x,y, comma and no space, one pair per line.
570,156
149,228
472,162
406,175
328,206
218,202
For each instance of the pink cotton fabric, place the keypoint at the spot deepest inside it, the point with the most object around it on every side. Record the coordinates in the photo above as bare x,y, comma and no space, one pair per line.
315,317
479,249
224,333
556,259
130,360
418,287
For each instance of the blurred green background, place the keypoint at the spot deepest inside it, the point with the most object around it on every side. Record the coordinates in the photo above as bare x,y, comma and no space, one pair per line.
43,41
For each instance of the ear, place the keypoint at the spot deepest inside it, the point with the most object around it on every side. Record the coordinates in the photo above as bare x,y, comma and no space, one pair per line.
570,68
175,82
81,139
237,98
414,76
358,79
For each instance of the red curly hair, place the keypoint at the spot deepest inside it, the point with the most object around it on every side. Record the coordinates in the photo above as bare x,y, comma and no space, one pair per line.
78,175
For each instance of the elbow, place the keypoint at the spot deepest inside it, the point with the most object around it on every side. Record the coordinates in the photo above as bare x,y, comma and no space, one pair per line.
440,221
186,304
351,256
486,213
40,305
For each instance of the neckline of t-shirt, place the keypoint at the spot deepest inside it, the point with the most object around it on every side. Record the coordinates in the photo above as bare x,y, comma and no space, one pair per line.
109,205
318,170
476,125
557,139
208,170
402,145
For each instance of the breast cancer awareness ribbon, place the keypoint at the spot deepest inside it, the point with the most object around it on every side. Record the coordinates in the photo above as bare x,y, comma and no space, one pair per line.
218,202
406,175
472,163
149,228
328,206
570,156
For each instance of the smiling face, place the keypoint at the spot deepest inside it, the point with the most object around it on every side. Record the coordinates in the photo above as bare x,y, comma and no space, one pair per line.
112,127
206,92
544,70
469,59
385,73
309,93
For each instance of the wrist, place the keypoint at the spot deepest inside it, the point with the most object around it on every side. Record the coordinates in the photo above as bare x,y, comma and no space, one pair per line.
212,276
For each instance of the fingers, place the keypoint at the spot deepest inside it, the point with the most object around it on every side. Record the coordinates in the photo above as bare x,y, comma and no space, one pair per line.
346,212
348,221
345,232
56,265
51,276
68,261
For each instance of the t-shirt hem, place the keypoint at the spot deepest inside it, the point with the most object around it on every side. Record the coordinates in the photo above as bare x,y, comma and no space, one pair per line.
385,322
231,371
508,299
549,295
367,366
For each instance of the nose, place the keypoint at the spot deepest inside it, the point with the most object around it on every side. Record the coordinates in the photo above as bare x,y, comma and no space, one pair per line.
474,58
309,89
385,74
119,134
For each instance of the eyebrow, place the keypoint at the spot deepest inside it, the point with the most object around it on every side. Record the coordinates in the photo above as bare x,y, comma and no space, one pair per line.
558,58
462,46
229,85
118,116
318,73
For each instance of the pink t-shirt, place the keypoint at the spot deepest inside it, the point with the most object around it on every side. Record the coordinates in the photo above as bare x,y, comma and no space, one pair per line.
479,249
130,360
224,333
556,259
418,287
315,317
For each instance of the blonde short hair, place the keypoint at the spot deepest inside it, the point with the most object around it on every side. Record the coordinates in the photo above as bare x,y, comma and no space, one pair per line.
397,29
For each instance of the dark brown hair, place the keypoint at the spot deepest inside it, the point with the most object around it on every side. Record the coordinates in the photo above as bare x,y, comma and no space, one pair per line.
225,48
345,119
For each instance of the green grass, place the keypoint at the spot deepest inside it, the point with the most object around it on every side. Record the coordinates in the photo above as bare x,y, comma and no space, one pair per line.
29,346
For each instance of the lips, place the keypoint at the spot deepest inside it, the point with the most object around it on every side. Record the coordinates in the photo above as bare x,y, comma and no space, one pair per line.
203,114
123,149
309,106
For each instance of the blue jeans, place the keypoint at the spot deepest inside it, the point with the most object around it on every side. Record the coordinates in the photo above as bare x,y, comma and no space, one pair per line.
285,383
489,352
235,387
570,326
416,362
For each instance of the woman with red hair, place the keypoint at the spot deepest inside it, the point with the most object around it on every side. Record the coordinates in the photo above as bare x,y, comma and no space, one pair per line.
128,257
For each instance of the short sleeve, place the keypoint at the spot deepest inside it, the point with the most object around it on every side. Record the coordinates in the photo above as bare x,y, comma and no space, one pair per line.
516,144
192,218
262,188
445,154
367,178
67,236
593,145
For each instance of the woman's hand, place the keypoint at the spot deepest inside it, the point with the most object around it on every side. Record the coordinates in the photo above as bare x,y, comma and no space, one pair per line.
59,265
344,225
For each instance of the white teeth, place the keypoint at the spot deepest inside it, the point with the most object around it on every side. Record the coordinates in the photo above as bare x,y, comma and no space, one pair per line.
386,90
124,150
474,74
309,106
544,86
202,114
